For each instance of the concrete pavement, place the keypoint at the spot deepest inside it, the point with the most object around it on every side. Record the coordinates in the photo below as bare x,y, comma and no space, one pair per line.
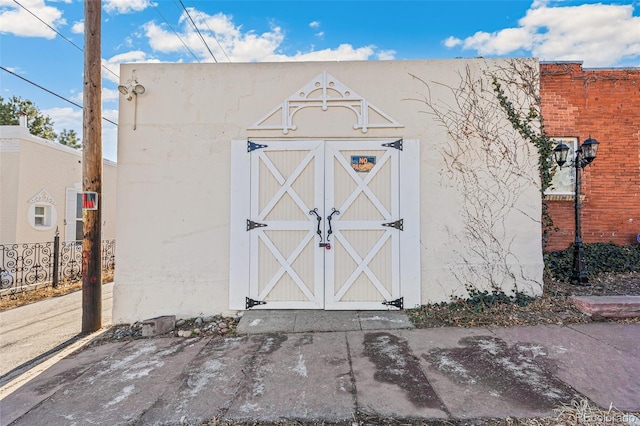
32,330
443,373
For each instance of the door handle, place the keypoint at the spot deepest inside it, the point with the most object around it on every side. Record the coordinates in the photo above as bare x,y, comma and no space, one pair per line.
319,219
329,232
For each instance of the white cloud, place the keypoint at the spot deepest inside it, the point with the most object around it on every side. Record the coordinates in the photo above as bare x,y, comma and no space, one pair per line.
539,3
597,34
314,24
113,64
452,42
109,95
344,52
16,20
320,34
78,27
386,55
226,40
69,118
501,42
125,6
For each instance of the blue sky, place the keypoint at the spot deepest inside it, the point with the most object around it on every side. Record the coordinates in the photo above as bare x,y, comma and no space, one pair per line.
599,33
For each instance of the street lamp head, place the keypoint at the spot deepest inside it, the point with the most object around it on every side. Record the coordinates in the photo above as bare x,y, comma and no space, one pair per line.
590,149
560,154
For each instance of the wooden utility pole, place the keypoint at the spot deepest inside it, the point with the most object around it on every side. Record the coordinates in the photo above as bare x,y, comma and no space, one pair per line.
92,169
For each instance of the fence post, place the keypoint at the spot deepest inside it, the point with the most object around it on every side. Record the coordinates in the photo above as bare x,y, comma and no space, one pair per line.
56,257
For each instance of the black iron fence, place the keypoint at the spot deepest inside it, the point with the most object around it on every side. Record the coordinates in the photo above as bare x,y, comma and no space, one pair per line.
54,261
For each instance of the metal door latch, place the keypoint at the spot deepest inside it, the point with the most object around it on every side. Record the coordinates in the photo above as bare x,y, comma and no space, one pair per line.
329,232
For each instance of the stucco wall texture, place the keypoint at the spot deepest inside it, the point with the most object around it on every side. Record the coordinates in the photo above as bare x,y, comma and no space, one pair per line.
174,176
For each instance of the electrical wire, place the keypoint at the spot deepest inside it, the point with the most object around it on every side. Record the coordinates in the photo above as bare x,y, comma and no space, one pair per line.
212,32
60,34
49,91
50,27
198,31
175,32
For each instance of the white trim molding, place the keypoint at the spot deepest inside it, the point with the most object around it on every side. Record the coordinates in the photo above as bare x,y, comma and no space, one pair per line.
42,197
325,91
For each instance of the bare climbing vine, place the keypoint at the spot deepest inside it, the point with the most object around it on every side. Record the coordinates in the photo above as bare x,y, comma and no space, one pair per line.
494,113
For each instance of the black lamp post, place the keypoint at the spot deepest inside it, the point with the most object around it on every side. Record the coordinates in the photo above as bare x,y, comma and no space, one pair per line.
585,154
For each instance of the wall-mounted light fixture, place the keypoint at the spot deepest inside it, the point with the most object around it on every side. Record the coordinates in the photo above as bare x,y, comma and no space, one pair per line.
131,90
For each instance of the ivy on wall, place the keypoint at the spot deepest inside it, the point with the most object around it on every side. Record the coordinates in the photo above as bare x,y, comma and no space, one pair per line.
490,166
530,125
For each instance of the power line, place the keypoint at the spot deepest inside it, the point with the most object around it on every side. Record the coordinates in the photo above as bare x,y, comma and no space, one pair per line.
50,27
212,32
198,31
60,34
51,92
175,32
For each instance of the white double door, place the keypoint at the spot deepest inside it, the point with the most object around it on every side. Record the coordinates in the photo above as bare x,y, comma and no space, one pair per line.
325,224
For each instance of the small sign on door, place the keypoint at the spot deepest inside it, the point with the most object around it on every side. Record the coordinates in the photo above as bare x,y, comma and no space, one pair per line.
89,201
363,163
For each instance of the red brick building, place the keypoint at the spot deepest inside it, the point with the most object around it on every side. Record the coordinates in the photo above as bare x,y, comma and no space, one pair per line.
604,104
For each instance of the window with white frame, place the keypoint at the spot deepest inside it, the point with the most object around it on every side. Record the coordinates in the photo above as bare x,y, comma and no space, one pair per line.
563,181
42,214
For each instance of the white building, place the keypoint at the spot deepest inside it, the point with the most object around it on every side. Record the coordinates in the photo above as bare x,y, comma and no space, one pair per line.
320,185
39,185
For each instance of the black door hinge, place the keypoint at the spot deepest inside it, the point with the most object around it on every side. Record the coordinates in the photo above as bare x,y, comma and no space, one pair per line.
398,303
250,303
398,224
252,146
252,225
397,144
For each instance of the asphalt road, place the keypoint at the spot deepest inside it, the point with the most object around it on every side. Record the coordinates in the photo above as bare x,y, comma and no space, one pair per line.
31,330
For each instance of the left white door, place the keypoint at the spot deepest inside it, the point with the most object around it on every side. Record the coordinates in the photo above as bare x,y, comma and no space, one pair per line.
286,268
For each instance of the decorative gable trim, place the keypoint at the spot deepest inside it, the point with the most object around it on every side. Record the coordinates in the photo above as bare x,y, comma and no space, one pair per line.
325,91
42,196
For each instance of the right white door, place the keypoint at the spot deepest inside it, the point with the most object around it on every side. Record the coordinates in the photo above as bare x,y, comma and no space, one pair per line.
362,224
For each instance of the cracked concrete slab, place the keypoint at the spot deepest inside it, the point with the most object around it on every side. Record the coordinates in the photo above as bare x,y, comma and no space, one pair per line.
477,375
300,376
389,379
129,381
625,337
207,385
445,373
63,373
601,372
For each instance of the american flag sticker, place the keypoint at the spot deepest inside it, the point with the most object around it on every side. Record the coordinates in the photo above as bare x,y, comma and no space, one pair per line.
90,201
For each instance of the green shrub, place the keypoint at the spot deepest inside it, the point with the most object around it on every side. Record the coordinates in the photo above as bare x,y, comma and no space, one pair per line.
599,258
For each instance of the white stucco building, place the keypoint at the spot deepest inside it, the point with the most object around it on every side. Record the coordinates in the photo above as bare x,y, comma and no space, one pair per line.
39,185
322,185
